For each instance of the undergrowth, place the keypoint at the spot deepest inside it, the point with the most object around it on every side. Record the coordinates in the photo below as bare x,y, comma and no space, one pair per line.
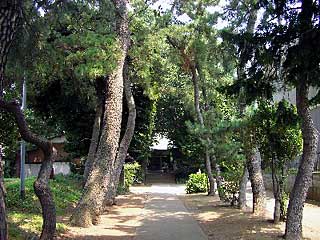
24,216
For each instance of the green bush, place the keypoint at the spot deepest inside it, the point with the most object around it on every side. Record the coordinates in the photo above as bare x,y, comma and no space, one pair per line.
197,182
133,174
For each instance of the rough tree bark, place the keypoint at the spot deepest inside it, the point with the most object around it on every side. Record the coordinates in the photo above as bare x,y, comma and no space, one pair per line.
10,13
304,177
101,177
97,128
126,139
257,184
41,185
275,188
94,142
303,180
242,204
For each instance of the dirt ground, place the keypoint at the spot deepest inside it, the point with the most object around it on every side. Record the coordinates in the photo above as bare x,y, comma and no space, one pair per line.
220,221
119,222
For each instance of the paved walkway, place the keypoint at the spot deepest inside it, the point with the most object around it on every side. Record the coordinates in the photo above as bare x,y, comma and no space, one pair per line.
165,216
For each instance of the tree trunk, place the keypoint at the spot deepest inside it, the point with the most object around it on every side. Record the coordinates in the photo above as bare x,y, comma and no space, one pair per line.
122,179
277,210
101,177
41,185
283,202
252,162
275,185
309,133
211,190
42,190
242,204
304,177
257,184
97,127
126,140
219,179
96,132
10,12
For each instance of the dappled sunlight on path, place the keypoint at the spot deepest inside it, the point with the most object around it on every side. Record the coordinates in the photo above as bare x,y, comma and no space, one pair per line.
165,212
118,223
221,221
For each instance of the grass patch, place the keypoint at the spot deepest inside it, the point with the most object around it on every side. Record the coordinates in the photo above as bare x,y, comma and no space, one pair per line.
24,216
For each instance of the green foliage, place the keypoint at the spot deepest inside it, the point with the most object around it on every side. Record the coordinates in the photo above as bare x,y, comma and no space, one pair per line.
132,174
279,138
25,215
197,183
278,132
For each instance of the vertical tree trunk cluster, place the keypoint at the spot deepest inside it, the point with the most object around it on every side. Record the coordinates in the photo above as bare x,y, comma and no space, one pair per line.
103,177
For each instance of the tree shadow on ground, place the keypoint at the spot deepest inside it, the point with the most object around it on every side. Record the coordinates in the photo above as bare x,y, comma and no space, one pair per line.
222,221
119,222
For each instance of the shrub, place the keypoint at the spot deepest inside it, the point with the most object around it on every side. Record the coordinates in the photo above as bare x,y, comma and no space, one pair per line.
197,182
133,174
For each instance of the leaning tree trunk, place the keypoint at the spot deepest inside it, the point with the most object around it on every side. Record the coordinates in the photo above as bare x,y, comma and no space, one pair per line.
91,204
126,140
304,177
41,185
96,130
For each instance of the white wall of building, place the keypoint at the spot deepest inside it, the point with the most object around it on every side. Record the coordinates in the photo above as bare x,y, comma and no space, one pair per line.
59,168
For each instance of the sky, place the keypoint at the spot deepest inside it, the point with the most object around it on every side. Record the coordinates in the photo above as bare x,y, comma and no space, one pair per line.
166,4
